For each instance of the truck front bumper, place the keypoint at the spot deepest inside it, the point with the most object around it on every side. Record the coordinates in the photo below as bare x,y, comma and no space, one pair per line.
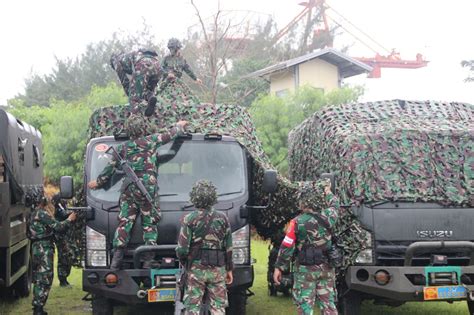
130,280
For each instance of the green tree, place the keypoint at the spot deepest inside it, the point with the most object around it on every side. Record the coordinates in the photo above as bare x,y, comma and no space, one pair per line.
274,117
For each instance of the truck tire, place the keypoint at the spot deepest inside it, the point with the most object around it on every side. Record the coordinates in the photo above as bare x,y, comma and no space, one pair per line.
22,286
102,306
470,306
350,304
237,303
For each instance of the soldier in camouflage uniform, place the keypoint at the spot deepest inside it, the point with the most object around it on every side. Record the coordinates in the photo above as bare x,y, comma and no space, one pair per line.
314,278
41,229
139,72
62,241
141,154
205,248
174,63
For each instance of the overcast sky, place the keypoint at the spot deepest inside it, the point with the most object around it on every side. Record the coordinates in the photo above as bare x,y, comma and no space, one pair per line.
33,32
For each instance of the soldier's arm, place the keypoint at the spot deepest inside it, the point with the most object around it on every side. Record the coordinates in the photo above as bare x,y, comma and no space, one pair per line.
55,225
159,139
108,171
184,241
188,70
287,247
229,265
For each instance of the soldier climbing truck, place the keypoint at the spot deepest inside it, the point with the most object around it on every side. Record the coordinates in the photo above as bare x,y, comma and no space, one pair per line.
219,158
21,182
404,171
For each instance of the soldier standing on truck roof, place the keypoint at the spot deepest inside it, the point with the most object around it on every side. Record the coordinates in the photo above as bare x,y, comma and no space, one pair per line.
62,241
139,72
140,152
41,230
314,278
174,63
205,249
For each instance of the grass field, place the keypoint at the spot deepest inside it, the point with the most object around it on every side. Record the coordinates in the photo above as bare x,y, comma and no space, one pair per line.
68,301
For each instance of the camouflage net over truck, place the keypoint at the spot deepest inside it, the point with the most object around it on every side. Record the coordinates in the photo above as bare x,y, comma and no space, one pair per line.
390,150
176,103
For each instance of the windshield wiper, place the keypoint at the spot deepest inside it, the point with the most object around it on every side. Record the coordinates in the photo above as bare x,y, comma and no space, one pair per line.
229,193
166,195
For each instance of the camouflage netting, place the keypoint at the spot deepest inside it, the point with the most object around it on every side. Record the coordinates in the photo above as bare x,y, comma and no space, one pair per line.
390,150
176,103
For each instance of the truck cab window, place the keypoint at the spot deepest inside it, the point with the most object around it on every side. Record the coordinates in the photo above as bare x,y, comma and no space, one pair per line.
21,150
36,157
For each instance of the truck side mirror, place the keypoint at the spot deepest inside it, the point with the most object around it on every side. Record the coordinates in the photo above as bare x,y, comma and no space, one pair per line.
66,187
332,179
269,181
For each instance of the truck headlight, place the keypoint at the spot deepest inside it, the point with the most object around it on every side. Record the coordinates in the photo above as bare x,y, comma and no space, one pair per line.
240,244
96,248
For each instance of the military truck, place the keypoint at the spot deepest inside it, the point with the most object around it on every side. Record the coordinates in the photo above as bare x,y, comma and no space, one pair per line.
21,181
404,171
215,150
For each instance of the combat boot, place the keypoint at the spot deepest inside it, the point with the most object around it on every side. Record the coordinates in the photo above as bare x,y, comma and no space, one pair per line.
38,310
64,283
148,260
151,106
117,259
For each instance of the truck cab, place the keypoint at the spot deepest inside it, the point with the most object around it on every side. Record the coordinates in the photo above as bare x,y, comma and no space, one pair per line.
220,159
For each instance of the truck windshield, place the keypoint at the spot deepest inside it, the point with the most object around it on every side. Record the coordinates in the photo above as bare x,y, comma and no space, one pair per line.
220,162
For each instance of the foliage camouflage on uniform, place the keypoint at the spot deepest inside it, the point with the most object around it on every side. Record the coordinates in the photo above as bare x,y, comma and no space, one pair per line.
311,281
141,155
192,235
389,150
41,229
139,72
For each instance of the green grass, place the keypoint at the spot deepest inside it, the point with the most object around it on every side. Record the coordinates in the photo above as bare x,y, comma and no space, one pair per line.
68,301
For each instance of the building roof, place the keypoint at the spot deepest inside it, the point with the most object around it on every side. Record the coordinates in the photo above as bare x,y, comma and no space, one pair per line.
348,66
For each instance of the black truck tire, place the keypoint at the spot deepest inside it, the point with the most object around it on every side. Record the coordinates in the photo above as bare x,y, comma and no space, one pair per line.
22,286
470,306
350,304
237,303
102,306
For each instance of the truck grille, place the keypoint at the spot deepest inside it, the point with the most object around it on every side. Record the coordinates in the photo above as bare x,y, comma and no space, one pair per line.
393,254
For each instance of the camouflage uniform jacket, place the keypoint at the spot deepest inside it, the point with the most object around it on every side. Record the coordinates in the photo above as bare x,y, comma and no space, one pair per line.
176,65
193,227
141,154
305,229
42,226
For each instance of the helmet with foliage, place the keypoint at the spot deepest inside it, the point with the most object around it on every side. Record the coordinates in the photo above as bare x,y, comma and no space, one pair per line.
312,195
148,51
174,43
134,126
203,194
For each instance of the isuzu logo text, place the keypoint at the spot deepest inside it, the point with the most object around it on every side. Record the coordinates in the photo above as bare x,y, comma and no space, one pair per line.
434,234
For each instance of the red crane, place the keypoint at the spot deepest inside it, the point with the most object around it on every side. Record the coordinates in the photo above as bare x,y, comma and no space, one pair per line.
391,60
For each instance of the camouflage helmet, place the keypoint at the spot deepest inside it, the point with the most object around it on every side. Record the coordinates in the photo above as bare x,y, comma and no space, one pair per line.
203,194
134,126
148,51
174,43
312,195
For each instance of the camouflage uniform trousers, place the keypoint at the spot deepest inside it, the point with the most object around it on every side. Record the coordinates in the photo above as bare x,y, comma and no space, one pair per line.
314,283
65,255
42,259
145,77
205,279
131,204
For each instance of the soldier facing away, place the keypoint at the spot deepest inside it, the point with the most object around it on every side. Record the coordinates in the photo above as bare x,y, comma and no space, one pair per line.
174,63
41,229
139,72
62,243
141,154
314,278
205,249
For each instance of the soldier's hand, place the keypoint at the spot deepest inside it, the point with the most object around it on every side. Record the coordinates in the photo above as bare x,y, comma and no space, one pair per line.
92,184
198,81
182,123
229,277
171,76
277,276
72,217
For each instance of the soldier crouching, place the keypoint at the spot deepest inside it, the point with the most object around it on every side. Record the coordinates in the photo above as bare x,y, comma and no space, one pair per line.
205,248
314,278
41,229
